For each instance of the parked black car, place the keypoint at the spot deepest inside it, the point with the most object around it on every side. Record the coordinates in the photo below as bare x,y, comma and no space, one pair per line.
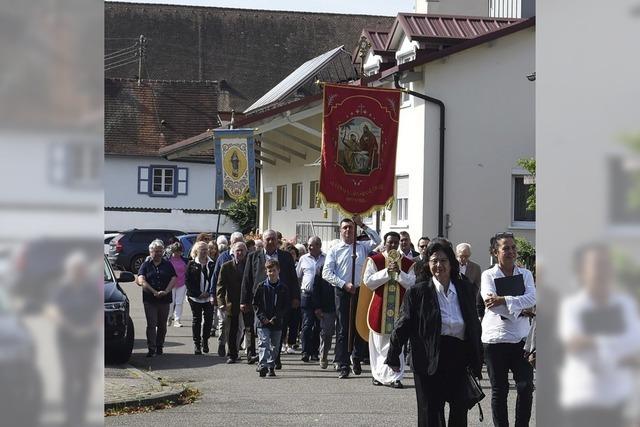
130,248
118,326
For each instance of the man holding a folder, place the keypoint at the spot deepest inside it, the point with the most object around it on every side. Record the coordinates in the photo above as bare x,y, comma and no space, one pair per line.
508,291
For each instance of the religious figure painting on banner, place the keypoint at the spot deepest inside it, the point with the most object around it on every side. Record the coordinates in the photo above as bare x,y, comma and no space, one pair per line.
358,147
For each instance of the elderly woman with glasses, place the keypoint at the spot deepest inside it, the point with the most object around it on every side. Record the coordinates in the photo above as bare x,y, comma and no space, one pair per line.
438,316
505,327
157,277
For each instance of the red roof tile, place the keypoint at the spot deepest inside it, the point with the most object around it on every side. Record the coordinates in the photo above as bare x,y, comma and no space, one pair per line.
445,27
139,120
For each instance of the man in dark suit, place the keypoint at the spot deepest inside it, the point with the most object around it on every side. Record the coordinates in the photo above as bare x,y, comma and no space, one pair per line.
472,272
228,294
255,273
421,260
405,246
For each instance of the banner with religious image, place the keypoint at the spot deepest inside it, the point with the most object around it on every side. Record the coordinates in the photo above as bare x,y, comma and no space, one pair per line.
359,140
235,163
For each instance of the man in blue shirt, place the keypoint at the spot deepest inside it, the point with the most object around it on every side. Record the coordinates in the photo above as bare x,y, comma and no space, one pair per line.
337,270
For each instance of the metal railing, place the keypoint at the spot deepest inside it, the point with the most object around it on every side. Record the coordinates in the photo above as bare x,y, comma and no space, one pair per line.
326,230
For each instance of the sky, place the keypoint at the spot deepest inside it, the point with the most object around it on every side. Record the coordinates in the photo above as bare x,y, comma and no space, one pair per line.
363,7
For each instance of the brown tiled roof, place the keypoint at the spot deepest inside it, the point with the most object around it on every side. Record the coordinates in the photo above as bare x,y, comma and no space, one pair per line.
377,38
247,51
139,120
445,28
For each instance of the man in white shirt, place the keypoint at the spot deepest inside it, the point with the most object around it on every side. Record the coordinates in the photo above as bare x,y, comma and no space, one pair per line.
505,327
338,271
309,266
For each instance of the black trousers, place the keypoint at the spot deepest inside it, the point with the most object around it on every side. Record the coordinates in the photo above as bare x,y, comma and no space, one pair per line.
201,310
446,385
293,326
250,332
285,331
310,333
360,348
500,359
232,342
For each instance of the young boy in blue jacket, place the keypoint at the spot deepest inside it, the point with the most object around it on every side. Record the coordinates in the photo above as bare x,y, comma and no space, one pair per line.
270,303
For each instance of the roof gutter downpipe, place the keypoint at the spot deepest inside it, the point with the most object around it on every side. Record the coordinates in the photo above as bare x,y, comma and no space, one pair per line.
439,103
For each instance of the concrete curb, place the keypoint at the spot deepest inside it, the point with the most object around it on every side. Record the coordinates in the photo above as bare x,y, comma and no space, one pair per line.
170,393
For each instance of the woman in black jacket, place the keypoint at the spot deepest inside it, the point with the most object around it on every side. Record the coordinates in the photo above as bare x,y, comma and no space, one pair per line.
438,316
200,292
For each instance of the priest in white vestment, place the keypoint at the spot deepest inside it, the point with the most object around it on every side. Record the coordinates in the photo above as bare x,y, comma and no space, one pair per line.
388,279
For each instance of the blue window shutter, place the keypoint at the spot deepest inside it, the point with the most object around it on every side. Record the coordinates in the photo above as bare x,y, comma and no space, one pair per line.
183,181
144,179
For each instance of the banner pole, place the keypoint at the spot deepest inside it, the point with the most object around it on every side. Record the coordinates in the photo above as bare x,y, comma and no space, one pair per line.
220,202
353,297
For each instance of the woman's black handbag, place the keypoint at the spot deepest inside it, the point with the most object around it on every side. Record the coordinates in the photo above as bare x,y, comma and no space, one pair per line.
473,392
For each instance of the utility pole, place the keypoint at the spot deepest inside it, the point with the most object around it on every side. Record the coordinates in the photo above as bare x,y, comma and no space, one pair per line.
141,44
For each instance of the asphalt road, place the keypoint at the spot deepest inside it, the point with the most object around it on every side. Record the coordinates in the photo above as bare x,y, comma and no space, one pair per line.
301,394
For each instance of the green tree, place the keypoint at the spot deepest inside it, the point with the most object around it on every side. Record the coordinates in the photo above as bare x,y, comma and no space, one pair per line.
526,253
243,212
530,166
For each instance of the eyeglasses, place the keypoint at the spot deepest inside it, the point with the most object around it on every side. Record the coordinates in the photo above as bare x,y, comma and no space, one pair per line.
435,261
423,246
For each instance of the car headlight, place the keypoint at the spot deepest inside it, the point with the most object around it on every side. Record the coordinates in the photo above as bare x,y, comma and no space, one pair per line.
114,306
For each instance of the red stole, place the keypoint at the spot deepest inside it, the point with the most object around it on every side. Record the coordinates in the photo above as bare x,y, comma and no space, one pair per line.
384,309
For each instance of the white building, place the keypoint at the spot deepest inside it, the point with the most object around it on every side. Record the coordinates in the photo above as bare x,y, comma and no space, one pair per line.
478,68
143,189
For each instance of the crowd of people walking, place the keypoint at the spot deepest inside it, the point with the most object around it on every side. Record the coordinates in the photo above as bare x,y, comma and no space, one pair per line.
430,306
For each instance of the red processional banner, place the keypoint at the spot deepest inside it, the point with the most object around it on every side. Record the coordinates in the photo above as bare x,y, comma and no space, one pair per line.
359,140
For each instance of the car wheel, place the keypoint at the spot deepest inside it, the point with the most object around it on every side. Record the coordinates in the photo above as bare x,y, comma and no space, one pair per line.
121,353
136,262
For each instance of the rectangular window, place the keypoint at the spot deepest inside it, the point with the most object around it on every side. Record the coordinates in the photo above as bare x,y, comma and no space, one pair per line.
405,97
402,200
314,188
281,197
296,195
520,195
76,164
162,183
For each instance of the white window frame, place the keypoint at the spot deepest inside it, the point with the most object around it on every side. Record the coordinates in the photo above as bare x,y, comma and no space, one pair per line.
76,164
296,195
518,173
314,189
281,197
163,185
401,214
405,98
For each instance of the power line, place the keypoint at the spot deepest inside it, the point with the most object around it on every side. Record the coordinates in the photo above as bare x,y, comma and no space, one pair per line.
121,51
134,52
112,66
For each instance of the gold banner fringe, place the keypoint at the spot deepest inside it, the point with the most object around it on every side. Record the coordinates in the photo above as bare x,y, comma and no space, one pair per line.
387,205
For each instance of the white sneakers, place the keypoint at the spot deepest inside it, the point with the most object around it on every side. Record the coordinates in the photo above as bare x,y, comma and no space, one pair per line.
177,324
